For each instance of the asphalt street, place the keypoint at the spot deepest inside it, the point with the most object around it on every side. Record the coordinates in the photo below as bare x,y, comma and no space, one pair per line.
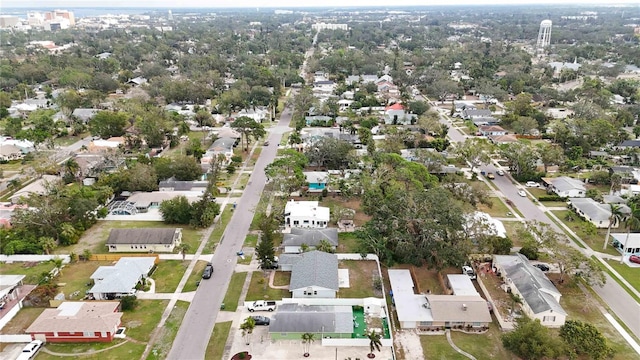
197,325
618,300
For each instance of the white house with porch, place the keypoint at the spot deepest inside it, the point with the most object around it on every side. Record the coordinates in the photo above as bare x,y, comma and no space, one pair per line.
306,214
121,279
631,244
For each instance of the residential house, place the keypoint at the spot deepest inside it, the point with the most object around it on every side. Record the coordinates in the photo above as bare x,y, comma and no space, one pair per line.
258,114
360,79
629,144
306,214
75,321
316,180
10,152
6,212
395,114
427,312
315,275
594,212
503,139
92,165
12,292
137,81
318,120
292,242
469,114
226,132
625,172
627,244
324,321
559,66
38,187
324,86
144,240
176,185
109,145
286,261
491,130
222,146
566,187
121,279
461,285
483,121
25,146
84,115
540,298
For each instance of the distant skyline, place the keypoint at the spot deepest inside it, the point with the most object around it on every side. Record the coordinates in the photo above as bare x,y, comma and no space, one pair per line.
177,4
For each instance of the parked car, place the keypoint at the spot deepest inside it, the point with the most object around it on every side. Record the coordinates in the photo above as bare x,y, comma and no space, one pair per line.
262,305
30,351
266,143
490,176
261,320
532,184
634,259
208,271
468,270
522,193
543,267
500,172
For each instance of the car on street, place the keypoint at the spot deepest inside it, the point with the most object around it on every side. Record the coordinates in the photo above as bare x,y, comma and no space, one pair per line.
532,184
208,271
261,320
500,172
634,259
543,267
30,351
522,193
266,143
490,176
468,270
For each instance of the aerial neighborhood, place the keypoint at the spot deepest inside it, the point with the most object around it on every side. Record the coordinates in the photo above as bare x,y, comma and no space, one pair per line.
337,183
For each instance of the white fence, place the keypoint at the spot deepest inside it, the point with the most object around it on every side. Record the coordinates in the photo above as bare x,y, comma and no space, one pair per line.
15,338
33,258
354,342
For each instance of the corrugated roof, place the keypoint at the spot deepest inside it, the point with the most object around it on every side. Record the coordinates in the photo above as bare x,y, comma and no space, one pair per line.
315,268
298,318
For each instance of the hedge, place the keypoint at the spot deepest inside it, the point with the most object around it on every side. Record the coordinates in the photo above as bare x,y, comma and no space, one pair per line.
551,198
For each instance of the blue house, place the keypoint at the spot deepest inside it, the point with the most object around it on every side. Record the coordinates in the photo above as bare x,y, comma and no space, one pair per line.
316,180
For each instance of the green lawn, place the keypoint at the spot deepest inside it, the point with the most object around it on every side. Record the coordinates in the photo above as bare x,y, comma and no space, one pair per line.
196,275
125,351
437,348
515,232
168,275
246,260
76,277
143,319
482,346
217,232
31,270
632,275
499,209
360,278
259,289
578,225
215,348
95,238
251,240
347,242
233,291
168,333
282,278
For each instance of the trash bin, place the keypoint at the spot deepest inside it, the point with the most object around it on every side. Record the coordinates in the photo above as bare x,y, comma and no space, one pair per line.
222,306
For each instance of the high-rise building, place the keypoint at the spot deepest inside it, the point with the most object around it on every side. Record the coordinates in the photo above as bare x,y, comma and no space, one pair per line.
170,16
544,35
57,15
7,21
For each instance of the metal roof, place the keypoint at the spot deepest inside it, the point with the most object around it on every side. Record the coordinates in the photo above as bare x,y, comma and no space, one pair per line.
298,318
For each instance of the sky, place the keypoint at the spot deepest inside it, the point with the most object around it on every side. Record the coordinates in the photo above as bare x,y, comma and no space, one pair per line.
176,4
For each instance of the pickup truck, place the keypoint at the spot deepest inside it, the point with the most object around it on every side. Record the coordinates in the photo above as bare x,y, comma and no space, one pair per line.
262,305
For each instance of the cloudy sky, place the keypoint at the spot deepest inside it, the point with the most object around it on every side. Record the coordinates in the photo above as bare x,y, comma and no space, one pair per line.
176,4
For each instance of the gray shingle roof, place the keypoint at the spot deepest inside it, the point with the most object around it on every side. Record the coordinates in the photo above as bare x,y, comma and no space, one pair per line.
311,237
123,276
315,268
297,318
594,210
143,236
565,183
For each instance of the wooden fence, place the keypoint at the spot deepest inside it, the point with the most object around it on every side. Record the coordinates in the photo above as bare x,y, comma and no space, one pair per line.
116,257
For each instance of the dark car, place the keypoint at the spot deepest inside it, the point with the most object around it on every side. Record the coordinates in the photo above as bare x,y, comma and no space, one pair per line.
634,259
543,267
261,320
208,271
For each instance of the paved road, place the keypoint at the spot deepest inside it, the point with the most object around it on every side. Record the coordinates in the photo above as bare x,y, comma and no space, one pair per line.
197,325
619,301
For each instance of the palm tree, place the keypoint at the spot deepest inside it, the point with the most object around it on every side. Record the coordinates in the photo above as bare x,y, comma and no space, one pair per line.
374,343
57,262
614,219
72,167
182,249
307,339
247,328
633,221
48,243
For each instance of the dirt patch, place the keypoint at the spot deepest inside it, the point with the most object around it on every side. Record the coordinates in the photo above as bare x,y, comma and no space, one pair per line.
408,344
134,324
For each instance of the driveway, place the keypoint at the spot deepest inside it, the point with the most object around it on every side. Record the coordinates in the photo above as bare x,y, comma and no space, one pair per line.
197,325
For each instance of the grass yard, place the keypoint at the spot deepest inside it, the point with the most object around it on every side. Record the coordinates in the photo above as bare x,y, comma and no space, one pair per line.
218,231
215,348
333,203
361,276
233,291
196,275
254,156
76,277
347,242
128,350
436,347
514,232
143,319
168,332
168,275
95,238
426,280
579,226
632,275
482,346
22,320
259,288
246,260
31,270
499,209
251,240
282,278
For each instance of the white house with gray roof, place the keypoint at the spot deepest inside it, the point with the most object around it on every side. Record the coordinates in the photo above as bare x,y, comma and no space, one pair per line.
596,213
540,298
325,321
315,275
567,187
292,242
120,280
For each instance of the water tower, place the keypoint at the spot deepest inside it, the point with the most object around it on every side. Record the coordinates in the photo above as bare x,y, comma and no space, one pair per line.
544,35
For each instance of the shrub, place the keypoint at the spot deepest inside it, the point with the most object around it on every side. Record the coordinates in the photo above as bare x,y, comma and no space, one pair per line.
551,198
530,252
128,303
236,159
